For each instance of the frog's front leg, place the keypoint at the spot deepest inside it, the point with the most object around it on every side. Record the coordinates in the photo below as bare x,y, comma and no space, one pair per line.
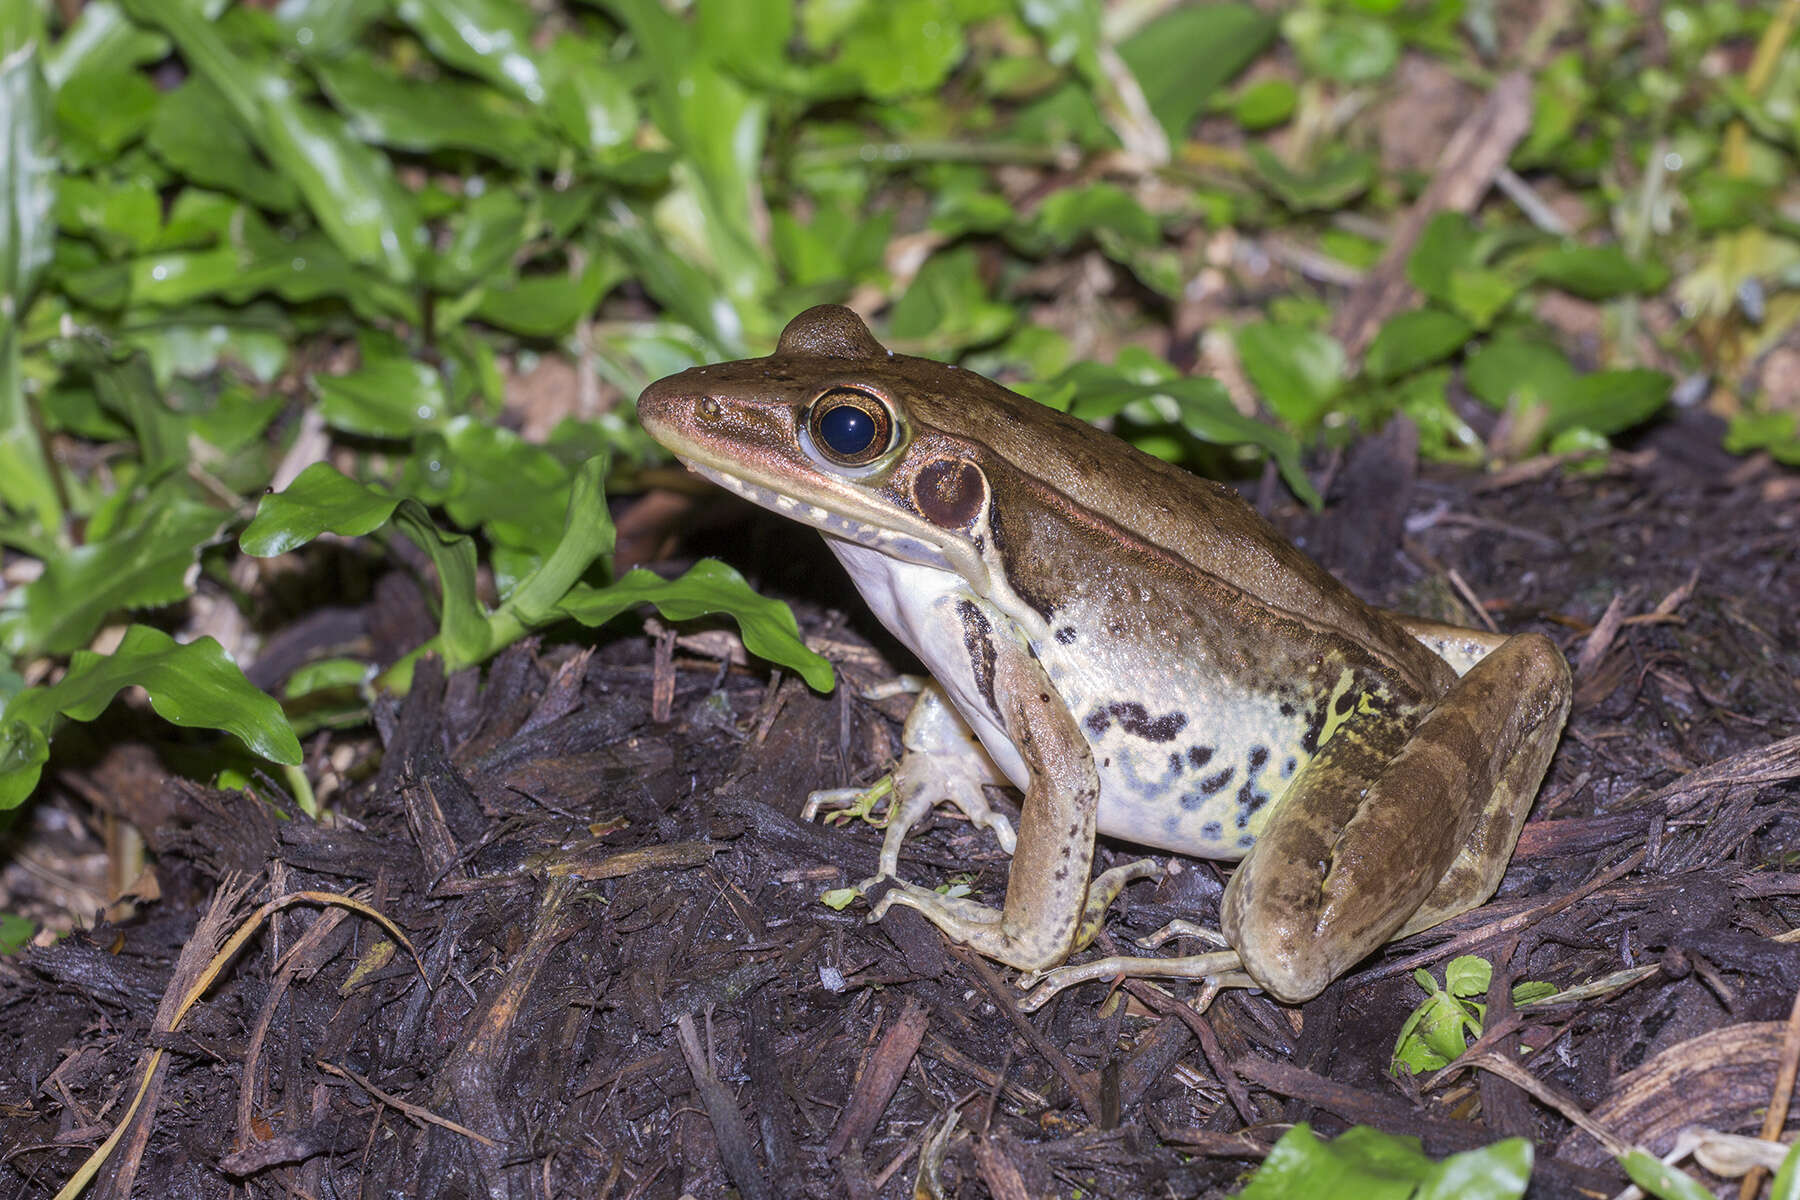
1395,826
1047,890
941,760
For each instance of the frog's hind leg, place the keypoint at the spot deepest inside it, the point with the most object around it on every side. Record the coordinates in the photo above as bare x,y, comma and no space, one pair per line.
1396,824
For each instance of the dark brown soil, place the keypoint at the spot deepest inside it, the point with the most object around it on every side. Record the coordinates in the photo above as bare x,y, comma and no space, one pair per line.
625,983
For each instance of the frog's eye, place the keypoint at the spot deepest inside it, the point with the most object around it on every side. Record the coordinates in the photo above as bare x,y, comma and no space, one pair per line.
850,427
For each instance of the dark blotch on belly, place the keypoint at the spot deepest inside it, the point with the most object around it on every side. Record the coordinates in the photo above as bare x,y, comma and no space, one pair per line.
1136,720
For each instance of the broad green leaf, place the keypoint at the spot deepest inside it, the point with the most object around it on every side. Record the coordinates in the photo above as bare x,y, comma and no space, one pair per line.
1265,103
1070,214
1512,370
589,99
1372,1165
547,306
490,477
1660,1179
903,47
193,132
948,305
1786,1185
350,188
15,931
587,536
1340,175
1777,432
145,562
1070,30
391,395
1481,294
484,237
379,105
1415,339
767,626
1342,46
487,38
121,216
98,115
1598,272
1298,371
465,636
1468,976
1447,245
320,500
194,685
103,43
27,235
1184,56
1611,401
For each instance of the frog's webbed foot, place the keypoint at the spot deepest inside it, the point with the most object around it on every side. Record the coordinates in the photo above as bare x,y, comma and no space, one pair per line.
1221,969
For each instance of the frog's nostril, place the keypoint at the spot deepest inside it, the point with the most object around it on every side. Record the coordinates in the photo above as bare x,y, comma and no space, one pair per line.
708,408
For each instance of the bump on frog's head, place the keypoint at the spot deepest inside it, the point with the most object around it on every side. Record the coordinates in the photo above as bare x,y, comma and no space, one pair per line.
829,331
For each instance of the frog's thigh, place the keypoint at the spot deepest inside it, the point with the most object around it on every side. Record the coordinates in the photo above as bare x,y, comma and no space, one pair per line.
1047,886
1388,828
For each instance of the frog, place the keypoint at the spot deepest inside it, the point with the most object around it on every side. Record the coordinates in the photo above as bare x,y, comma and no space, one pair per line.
1143,656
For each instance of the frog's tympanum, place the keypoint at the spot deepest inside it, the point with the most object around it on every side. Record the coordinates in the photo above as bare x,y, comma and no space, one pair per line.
1142,655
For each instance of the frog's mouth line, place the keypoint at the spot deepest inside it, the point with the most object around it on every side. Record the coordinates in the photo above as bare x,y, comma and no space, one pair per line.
833,525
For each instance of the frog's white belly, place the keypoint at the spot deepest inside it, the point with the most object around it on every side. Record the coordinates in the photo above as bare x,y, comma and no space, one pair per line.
1187,761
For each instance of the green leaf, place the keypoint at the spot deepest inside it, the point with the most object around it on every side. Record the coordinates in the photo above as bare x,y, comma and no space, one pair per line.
1599,272
1298,371
1447,245
465,636
450,114
1468,976
1611,401
589,98
103,43
491,477
99,115
1070,214
1516,370
27,236
1415,339
1372,1165
320,500
948,305
903,47
194,685
1777,432
15,931
485,236
1342,46
391,395
193,132
1265,104
1660,1179
1339,175
350,187
490,39
1187,54
147,562
768,626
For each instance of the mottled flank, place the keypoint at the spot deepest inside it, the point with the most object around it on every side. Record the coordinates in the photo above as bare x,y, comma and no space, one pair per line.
1199,756
978,640
1136,720
1066,635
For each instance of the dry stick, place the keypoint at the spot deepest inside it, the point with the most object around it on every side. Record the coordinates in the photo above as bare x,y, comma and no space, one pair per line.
1209,1044
1003,998
1466,169
730,1133
414,1112
887,1065
1776,1117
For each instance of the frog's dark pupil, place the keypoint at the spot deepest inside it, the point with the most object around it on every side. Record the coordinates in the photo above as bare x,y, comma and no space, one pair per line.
846,429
